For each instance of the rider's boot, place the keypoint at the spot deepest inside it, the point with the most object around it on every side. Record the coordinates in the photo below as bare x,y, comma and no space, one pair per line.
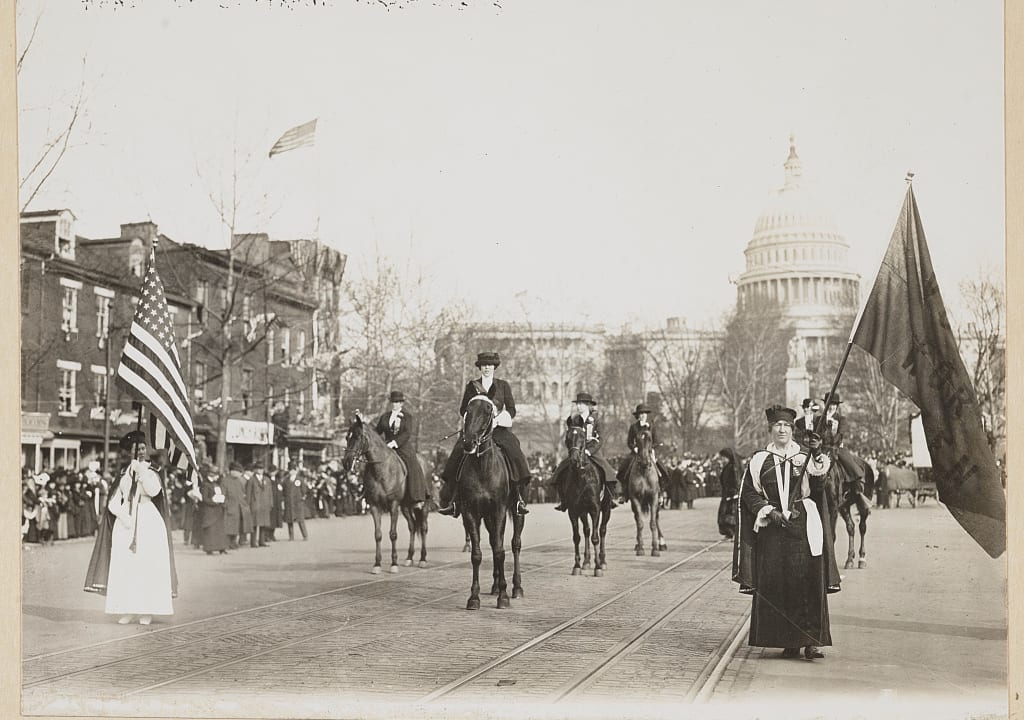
447,498
521,508
560,507
610,488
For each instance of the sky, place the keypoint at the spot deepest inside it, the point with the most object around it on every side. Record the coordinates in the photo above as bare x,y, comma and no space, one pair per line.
589,161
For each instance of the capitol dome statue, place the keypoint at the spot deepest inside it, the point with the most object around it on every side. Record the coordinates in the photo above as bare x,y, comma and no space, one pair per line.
798,258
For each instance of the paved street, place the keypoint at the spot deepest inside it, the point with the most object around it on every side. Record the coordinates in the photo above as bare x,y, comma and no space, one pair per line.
303,628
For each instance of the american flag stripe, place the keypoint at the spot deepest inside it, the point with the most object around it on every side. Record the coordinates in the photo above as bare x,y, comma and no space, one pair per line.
160,438
299,136
151,371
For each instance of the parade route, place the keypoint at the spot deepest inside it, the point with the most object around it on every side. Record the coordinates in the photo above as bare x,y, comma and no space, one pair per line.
303,628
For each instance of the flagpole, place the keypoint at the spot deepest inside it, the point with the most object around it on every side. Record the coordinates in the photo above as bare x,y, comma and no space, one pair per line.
849,344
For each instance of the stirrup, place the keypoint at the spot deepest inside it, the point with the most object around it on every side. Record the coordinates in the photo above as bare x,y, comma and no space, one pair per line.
560,507
521,508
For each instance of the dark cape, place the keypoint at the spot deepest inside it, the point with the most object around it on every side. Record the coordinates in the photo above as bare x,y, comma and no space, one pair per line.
789,585
729,480
99,562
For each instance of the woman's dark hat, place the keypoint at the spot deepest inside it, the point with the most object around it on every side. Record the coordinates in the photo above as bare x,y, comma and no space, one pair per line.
641,408
397,396
834,401
131,439
806,403
488,358
583,397
778,413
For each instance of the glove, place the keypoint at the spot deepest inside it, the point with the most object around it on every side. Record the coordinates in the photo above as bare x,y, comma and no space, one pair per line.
777,518
393,445
636,450
814,443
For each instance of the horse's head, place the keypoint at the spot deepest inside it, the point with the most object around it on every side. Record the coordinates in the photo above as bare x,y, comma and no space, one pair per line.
576,442
480,414
355,442
644,446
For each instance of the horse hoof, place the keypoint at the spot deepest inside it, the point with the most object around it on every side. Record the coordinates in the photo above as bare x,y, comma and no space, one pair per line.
376,570
655,552
473,604
598,572
663,545
503,602
604,566
848,565
465,548
423,563
862,564
393,569
586,565
639,552
408,563
517,593
576,570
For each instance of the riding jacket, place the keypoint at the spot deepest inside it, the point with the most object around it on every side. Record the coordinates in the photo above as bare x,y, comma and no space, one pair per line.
593,428
500,394
634,430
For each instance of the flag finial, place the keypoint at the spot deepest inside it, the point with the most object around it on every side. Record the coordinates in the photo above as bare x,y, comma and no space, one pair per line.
910,177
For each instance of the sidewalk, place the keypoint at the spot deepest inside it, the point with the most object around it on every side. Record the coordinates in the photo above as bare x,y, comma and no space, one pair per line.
923,629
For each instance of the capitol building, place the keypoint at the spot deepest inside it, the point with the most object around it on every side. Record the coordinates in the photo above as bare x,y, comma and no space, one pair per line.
798,258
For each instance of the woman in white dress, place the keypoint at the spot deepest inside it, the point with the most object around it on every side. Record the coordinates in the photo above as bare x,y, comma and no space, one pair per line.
139,580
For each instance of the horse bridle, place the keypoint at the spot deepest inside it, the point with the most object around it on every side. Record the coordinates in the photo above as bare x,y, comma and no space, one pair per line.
580,451
482,444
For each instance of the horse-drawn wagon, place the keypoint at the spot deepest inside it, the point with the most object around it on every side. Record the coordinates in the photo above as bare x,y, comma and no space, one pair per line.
914,483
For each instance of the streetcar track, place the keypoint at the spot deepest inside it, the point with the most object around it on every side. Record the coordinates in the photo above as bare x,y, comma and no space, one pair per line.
586,678
170,628
186,643
727,651
483,669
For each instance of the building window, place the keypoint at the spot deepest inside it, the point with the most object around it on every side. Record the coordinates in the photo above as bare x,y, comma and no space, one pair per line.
66,390
270,346
102,318
69,310
99,385
199,382
286,345
247,315
300,349
302,404
202,298
246,390
224,300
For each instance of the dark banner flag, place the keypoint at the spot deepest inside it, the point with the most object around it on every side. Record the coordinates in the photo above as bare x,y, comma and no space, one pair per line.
905,327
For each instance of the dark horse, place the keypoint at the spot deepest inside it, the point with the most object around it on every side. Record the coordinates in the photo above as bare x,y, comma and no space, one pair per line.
484,492
384,477
581,493
645,493
845,492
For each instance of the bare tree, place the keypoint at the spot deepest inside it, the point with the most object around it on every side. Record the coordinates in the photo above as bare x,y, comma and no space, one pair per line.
684,369
751,361
982,339
63,117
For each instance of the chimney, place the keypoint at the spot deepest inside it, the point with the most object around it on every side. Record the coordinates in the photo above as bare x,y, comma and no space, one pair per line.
145,231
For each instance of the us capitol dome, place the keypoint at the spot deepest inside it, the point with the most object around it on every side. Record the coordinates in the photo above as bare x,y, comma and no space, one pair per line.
798,258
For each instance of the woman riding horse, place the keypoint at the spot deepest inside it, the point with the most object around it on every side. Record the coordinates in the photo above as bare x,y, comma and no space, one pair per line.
500,394
485,491
585,417
642,415
585,502
397,429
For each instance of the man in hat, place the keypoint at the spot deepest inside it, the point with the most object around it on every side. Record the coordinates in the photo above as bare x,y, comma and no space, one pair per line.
584,416
642,415
399,432
784,556
500,394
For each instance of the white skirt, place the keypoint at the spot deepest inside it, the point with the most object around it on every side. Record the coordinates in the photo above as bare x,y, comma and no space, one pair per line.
139,583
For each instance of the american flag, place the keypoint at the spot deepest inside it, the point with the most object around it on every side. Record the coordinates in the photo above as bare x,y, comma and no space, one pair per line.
151,370
299,136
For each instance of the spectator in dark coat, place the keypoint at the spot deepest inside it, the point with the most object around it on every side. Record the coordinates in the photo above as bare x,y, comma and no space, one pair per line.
237,516
260,491
213,537
295,490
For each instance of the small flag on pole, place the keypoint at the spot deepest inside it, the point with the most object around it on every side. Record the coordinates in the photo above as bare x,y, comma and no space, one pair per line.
151,371
299,136
905,327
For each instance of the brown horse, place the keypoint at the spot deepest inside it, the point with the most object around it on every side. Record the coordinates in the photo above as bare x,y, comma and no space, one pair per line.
844,493
384,477
484,492
584,501
645,493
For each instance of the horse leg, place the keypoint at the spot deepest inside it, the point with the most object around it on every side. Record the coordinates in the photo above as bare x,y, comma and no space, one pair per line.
862,561
375,512
423,513
394,537
662,545
639,520
472,526
496,531
407,513
469,544
606,513
844,510
653,522
574,519
518,521
585,521
595,539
